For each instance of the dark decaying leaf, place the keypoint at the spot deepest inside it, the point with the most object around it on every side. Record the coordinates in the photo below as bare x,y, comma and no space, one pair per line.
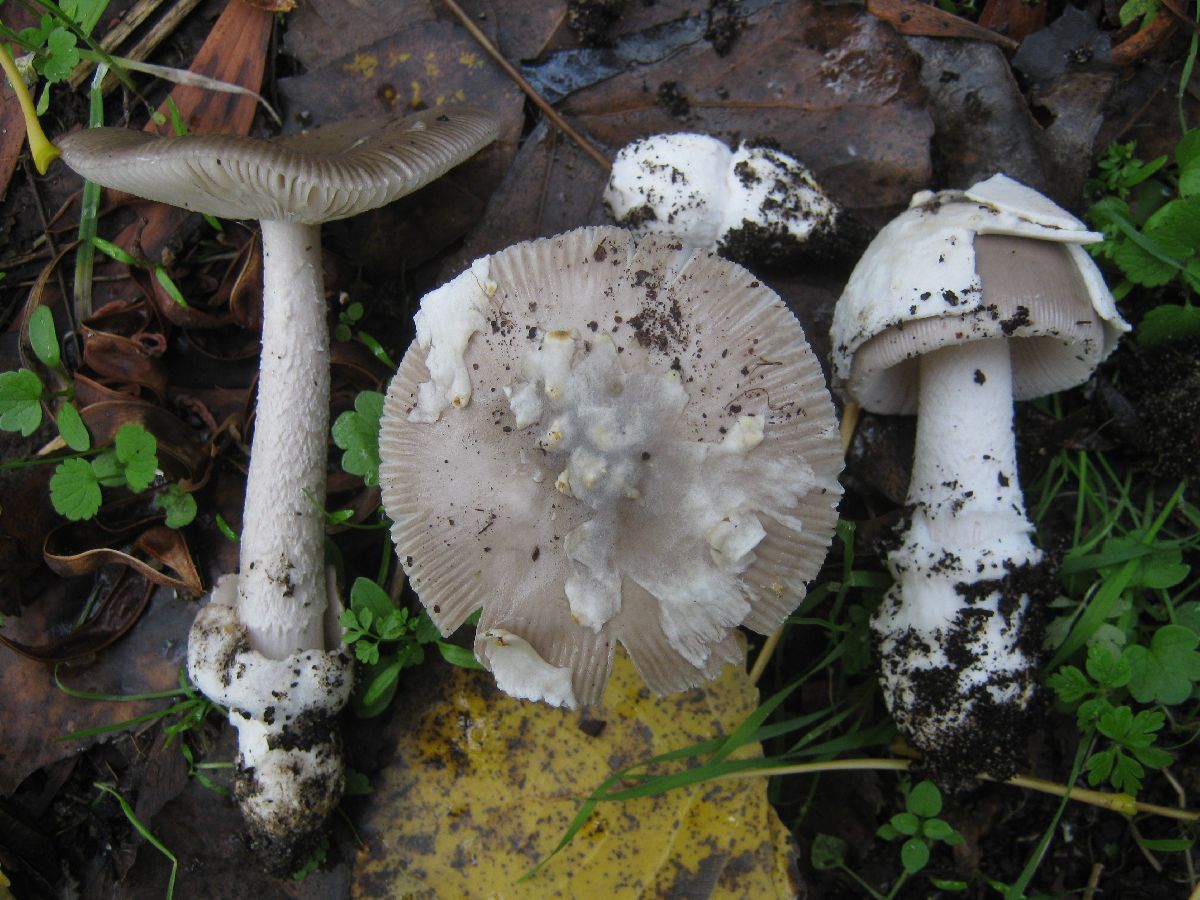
322,30
1014,19
37,713
982,119
119,605
850,107
916,18
128,364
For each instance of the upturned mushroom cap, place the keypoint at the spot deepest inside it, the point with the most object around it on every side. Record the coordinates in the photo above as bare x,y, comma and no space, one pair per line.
598,440
327,173
996,260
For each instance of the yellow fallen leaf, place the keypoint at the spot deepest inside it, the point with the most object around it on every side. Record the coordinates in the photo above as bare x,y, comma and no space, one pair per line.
483,787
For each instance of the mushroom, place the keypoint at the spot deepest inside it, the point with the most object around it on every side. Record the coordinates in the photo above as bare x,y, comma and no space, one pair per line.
965,302
268,644
597,440
693,187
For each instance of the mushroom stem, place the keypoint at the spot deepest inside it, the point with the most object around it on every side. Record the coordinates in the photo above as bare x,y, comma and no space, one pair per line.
282,597
964,489
951,629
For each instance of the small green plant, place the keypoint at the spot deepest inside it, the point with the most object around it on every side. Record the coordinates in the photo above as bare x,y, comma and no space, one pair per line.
145,832
919,827
53,45
1167,668
356,432
158,270
1135,10
1150,215
75,487
386,641
314,861
22,392
347,329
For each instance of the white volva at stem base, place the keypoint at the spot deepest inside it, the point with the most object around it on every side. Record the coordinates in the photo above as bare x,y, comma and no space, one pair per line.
281,592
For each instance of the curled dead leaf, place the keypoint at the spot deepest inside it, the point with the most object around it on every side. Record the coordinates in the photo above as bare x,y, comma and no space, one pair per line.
120,603
158,553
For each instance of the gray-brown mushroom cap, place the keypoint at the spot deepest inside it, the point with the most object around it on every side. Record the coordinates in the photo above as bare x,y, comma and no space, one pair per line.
596,440
327,173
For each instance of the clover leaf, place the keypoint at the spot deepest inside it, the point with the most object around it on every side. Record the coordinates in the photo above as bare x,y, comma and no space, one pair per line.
1165,671
357,433
75,490
137,451
20,401
179,505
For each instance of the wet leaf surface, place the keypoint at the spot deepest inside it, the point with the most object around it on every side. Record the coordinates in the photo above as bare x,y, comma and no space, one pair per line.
37,713
849,106
482,786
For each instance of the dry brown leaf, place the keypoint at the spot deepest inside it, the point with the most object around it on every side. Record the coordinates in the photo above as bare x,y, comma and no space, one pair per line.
914,17
483,786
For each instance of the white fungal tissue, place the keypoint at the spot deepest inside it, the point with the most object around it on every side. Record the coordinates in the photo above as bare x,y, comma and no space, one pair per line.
693,187
649,457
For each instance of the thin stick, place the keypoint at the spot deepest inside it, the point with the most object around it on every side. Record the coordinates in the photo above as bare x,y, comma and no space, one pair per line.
1121,803
538,100
159,32
134,16
764,655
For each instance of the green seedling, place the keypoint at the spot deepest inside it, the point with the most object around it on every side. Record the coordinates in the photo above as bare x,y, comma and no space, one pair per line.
386,641
22,392
919,827
158,270
132,462
1141,11
347,329
1168,667
356,432
314,861
1150,216
144,832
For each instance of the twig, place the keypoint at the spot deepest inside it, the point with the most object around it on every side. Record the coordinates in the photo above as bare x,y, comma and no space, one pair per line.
538,100
68,309
1121,803
1093,882
764,655
134,16
160,31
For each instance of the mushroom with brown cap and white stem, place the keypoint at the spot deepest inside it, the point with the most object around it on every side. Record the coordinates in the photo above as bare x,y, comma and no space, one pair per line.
601,441
965,302
693,187
268,645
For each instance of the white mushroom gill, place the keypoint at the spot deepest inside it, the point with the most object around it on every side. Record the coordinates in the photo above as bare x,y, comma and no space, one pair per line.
648,457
